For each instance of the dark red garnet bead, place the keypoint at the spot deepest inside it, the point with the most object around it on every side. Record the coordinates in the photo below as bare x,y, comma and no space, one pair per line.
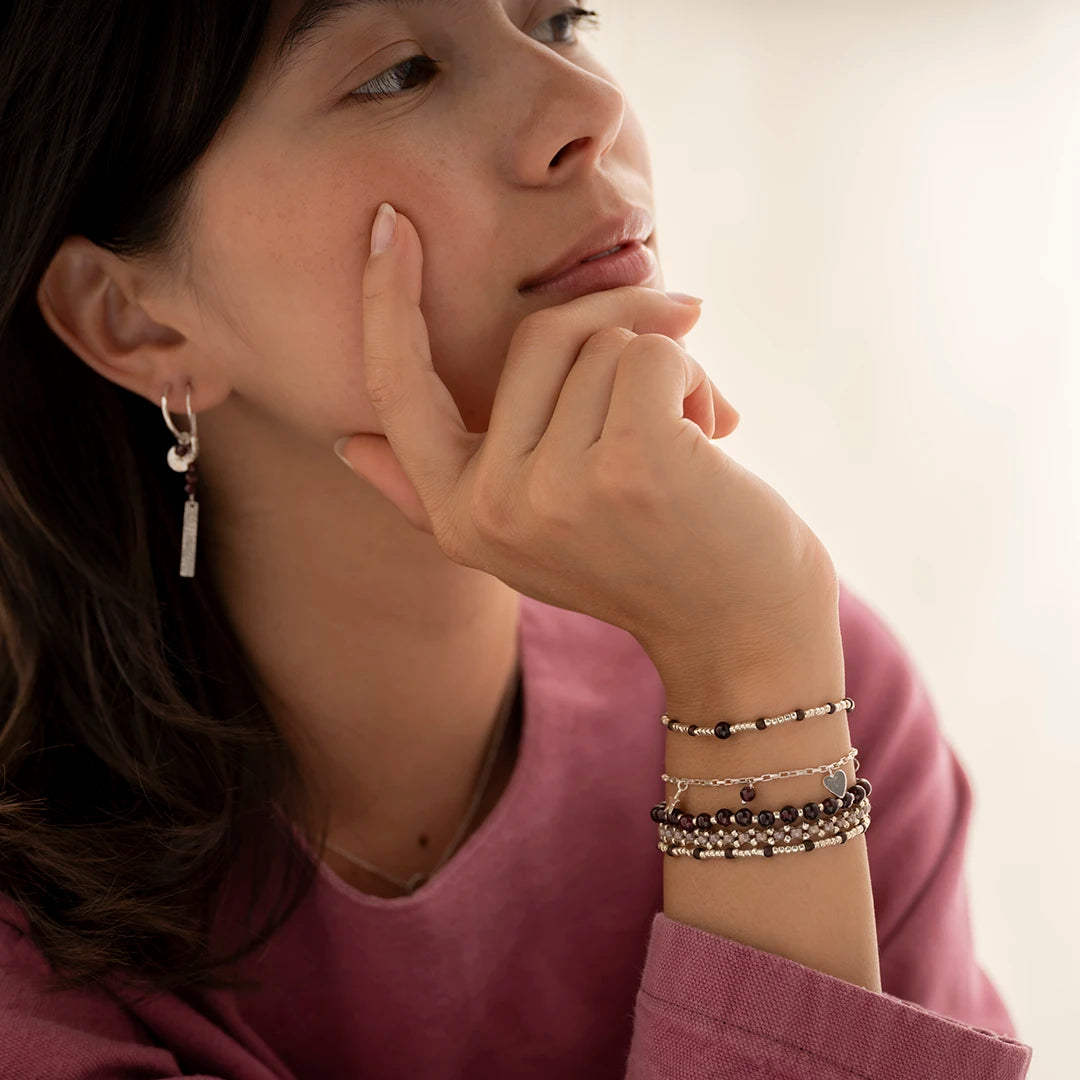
686,821
848,798
696,852
858,793
830,805
182,450
865,785
743,816
789,814
766,818
723,730
691,728
723,816
766,850
747,794
810,811
703,821
656,812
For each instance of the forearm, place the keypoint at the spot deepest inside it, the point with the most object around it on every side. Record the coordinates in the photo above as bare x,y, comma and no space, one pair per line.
815,907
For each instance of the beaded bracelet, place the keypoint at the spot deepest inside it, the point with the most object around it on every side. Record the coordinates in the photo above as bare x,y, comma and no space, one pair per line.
776,837
811,811
811,827
723,730
766,850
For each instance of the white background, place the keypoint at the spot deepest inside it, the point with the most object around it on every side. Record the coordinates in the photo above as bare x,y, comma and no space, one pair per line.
878,202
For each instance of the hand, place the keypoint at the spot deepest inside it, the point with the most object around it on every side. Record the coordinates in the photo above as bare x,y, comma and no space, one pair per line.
597,487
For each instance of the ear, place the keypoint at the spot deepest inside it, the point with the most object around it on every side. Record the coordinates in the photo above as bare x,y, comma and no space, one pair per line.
87,297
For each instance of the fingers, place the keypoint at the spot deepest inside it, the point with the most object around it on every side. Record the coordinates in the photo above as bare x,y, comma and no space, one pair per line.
727,416
582,406
417,412
546,345
699,403
656,383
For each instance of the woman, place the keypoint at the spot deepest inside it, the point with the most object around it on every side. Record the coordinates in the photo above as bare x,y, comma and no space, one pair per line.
319,773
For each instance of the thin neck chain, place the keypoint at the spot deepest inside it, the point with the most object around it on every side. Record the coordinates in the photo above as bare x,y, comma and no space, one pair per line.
417,879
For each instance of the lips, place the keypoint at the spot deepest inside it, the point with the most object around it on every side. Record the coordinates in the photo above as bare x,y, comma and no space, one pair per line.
629,224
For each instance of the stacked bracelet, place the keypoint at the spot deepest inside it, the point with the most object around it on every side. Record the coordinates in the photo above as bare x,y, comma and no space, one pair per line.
832,821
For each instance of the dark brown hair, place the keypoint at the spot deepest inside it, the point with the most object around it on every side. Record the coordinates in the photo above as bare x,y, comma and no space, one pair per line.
136,761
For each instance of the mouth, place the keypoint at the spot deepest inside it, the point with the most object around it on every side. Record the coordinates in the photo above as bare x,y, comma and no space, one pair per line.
631,263
613,241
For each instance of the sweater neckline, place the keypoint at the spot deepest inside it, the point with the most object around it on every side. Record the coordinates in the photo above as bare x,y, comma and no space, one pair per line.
487,831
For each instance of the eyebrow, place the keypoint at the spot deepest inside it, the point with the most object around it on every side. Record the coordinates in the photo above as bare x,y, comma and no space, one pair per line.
315,15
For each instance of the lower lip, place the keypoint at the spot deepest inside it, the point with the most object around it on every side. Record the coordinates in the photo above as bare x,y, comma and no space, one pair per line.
632,265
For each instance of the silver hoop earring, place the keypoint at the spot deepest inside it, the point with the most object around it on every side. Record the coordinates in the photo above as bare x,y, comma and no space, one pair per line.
181,458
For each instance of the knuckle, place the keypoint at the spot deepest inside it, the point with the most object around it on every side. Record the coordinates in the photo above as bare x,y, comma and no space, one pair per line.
609,337
387,389
651,344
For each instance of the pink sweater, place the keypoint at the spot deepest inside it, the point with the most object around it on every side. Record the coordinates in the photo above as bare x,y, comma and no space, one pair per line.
541,950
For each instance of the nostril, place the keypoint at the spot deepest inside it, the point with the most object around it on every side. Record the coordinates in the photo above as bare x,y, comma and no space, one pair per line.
573,142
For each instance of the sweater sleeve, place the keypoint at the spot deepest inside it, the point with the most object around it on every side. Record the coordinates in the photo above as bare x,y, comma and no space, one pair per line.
70,1034
710,1008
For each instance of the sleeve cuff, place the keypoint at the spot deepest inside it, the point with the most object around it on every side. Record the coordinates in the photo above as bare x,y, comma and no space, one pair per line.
723,991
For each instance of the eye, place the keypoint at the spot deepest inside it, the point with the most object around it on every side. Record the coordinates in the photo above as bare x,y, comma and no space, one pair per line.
401,77
570,18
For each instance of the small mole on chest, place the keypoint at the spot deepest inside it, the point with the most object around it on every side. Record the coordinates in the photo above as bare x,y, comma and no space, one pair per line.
423,840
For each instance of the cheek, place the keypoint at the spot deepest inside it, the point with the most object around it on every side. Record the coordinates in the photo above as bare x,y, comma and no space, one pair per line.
288,272
469,338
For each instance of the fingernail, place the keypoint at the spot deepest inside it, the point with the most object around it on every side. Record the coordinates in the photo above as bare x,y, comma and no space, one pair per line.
385,228
339,446
685,298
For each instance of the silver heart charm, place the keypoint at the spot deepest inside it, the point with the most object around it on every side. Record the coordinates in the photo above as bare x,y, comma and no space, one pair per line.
837,783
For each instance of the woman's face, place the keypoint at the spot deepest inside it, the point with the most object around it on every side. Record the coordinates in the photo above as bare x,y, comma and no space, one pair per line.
503,156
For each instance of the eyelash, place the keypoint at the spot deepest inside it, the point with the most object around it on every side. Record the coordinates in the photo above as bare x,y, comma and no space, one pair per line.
426,65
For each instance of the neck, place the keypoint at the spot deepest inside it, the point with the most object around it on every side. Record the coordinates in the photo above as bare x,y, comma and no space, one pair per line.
382,661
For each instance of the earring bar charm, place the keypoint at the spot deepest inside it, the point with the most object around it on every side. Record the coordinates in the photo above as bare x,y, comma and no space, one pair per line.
189,537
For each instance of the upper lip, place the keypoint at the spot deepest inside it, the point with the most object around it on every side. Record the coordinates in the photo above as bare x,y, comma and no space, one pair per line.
632,223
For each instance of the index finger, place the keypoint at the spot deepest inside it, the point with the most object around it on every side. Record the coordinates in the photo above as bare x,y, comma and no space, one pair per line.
421,420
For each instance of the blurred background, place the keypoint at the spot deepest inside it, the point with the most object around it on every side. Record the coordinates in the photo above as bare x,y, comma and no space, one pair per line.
878,202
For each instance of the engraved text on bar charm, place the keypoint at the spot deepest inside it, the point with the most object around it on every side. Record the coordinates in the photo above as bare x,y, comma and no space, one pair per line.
187,542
